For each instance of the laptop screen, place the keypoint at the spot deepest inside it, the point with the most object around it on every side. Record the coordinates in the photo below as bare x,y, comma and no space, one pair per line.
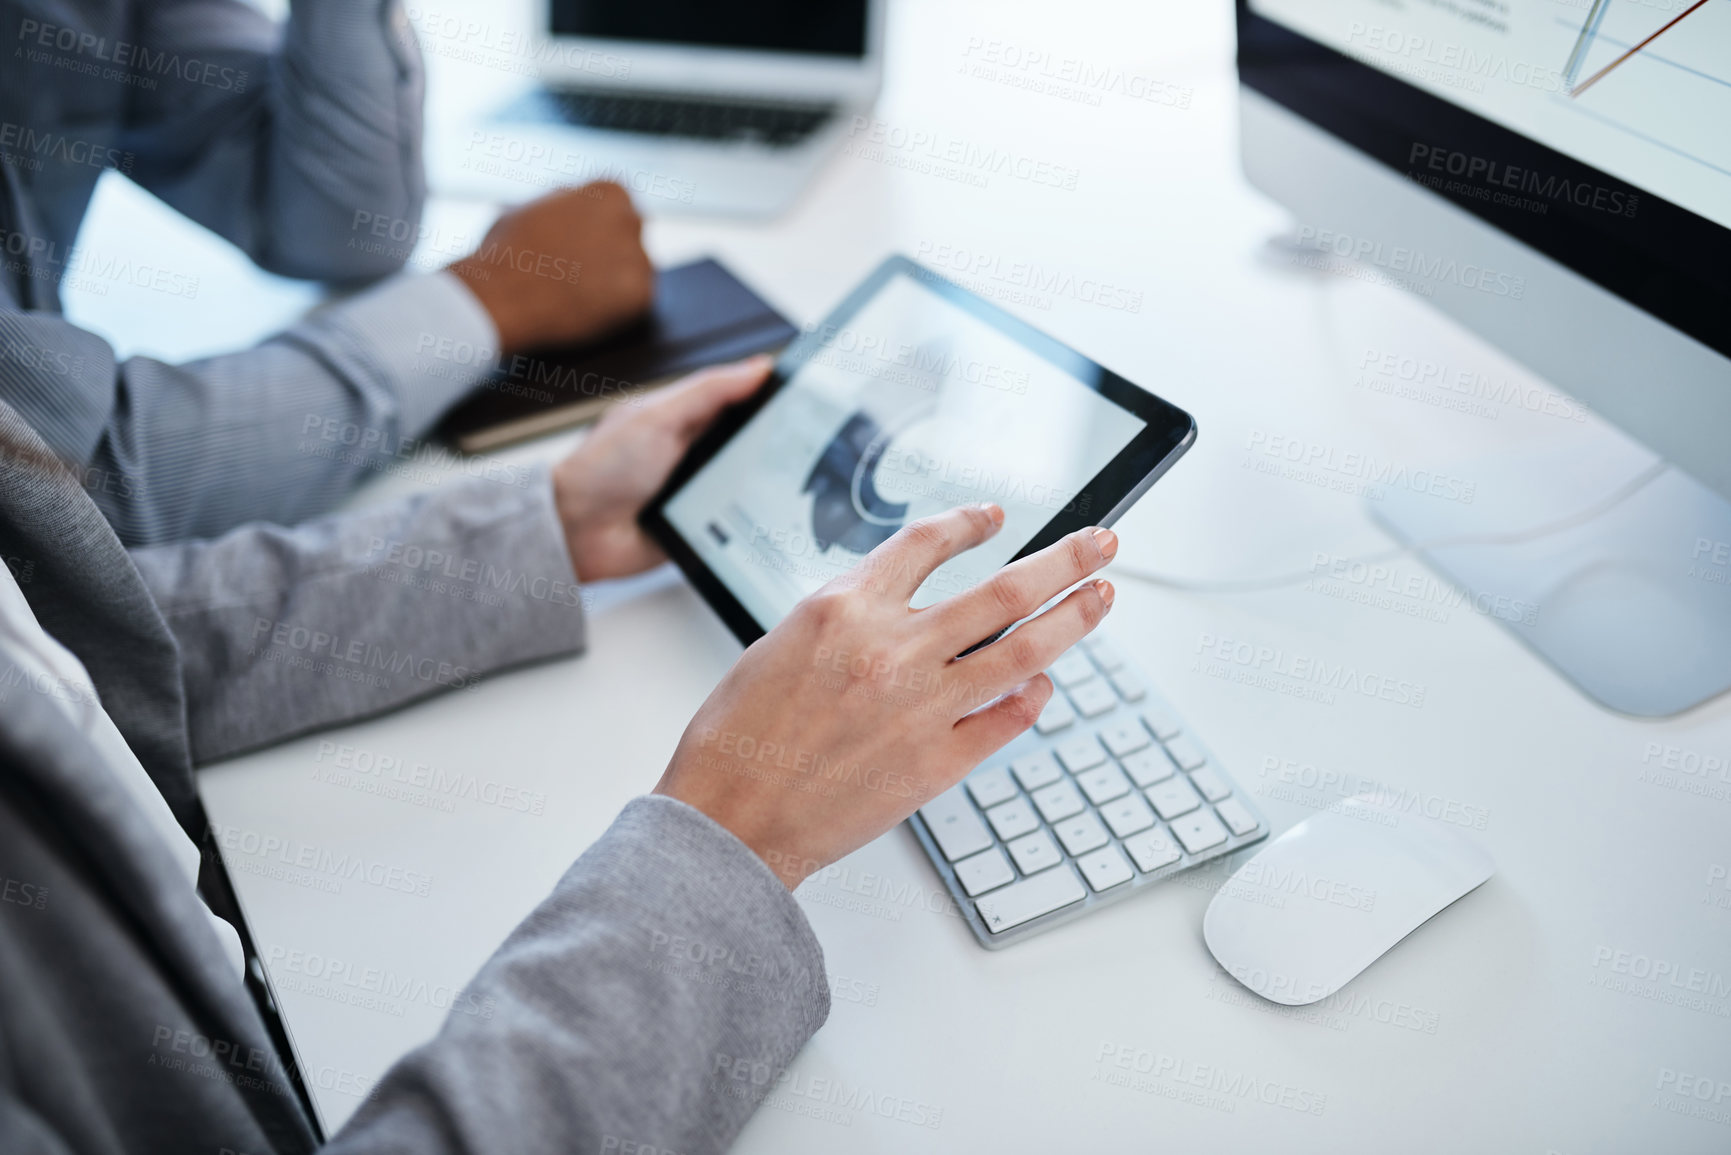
828,28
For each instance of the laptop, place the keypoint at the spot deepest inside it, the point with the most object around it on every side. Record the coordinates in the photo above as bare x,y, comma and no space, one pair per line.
694,106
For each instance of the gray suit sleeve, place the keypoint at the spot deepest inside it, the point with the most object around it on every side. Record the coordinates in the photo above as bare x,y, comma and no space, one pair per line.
300,143
278,433
284,630
285,140
284,431
652,1001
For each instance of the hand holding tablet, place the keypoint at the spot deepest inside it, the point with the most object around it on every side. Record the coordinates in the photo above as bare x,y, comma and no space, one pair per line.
914,396
920,472
600,489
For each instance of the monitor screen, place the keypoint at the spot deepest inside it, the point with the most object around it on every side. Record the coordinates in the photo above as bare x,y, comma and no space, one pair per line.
912,407
1593,131
829,28
1640,89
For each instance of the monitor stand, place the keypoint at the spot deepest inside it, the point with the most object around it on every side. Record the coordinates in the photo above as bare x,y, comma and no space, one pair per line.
1633,606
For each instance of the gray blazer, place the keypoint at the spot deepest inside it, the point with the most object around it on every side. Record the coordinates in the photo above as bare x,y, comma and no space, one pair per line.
301,144
121,1027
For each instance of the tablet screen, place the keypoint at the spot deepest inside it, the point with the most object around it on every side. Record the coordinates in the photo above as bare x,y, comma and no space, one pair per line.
910,407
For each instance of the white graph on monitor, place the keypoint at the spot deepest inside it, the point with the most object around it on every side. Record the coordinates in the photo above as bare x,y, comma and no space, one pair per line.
1659,70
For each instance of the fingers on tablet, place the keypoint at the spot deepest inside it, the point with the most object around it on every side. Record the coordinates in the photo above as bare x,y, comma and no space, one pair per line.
1027,650
900,565
1024,586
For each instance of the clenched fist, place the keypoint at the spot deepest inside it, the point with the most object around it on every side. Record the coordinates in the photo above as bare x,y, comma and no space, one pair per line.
562,269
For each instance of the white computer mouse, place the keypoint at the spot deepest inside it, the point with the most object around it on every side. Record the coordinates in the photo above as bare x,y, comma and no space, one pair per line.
1333,894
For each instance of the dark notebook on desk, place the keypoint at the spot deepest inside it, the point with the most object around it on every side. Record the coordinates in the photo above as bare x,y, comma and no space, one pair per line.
702,315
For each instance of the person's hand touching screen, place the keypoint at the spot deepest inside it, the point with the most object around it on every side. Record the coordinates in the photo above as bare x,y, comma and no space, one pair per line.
854,710
561,269
601,488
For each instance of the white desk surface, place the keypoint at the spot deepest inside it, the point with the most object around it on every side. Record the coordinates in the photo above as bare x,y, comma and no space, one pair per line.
1513,1022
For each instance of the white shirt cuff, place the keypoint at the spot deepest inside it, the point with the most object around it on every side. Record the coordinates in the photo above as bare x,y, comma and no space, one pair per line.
424,337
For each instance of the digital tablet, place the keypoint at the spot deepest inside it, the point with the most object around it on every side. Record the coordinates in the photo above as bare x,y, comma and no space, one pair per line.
912,397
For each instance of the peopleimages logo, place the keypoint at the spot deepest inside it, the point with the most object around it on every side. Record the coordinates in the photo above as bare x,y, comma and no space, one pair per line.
336,866
1691,979
744,749
918,149
356,654
1425,373
1710,561
1395,47
346,981
1016,280
1693,1095
1376,584
461,37
1523,180
1398,259
1702,1087
136,64
920,360
1383,803
776,1085
1359,467
1114,1062
1307,670
87,269
26,355
470,571
443,784
28,147
1066,77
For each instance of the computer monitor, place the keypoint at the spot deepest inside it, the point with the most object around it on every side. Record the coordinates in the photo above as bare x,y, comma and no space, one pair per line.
1556,174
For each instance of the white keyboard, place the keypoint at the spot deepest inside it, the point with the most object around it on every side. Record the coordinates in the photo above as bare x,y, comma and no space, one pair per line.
1107,794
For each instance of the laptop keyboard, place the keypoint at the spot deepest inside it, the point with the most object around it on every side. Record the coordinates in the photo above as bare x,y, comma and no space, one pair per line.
1110,792
701,118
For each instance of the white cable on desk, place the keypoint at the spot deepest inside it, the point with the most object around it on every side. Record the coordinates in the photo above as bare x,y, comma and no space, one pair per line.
1602,506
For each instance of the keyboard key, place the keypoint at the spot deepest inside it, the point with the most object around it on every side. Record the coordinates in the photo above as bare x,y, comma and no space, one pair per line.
1199,831
1127,815
1035,852
1211,782
1149,766
1013,819
1103,783
1082,833
1161,722
1055,716
991,786
1151,850
1036,770
1125,738
1104,653
1105,868
1042,894
1184,751
953,823
1059,800
984,872
1080,753
1129,686
1173,797
1093,698
1238,818
1072,669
